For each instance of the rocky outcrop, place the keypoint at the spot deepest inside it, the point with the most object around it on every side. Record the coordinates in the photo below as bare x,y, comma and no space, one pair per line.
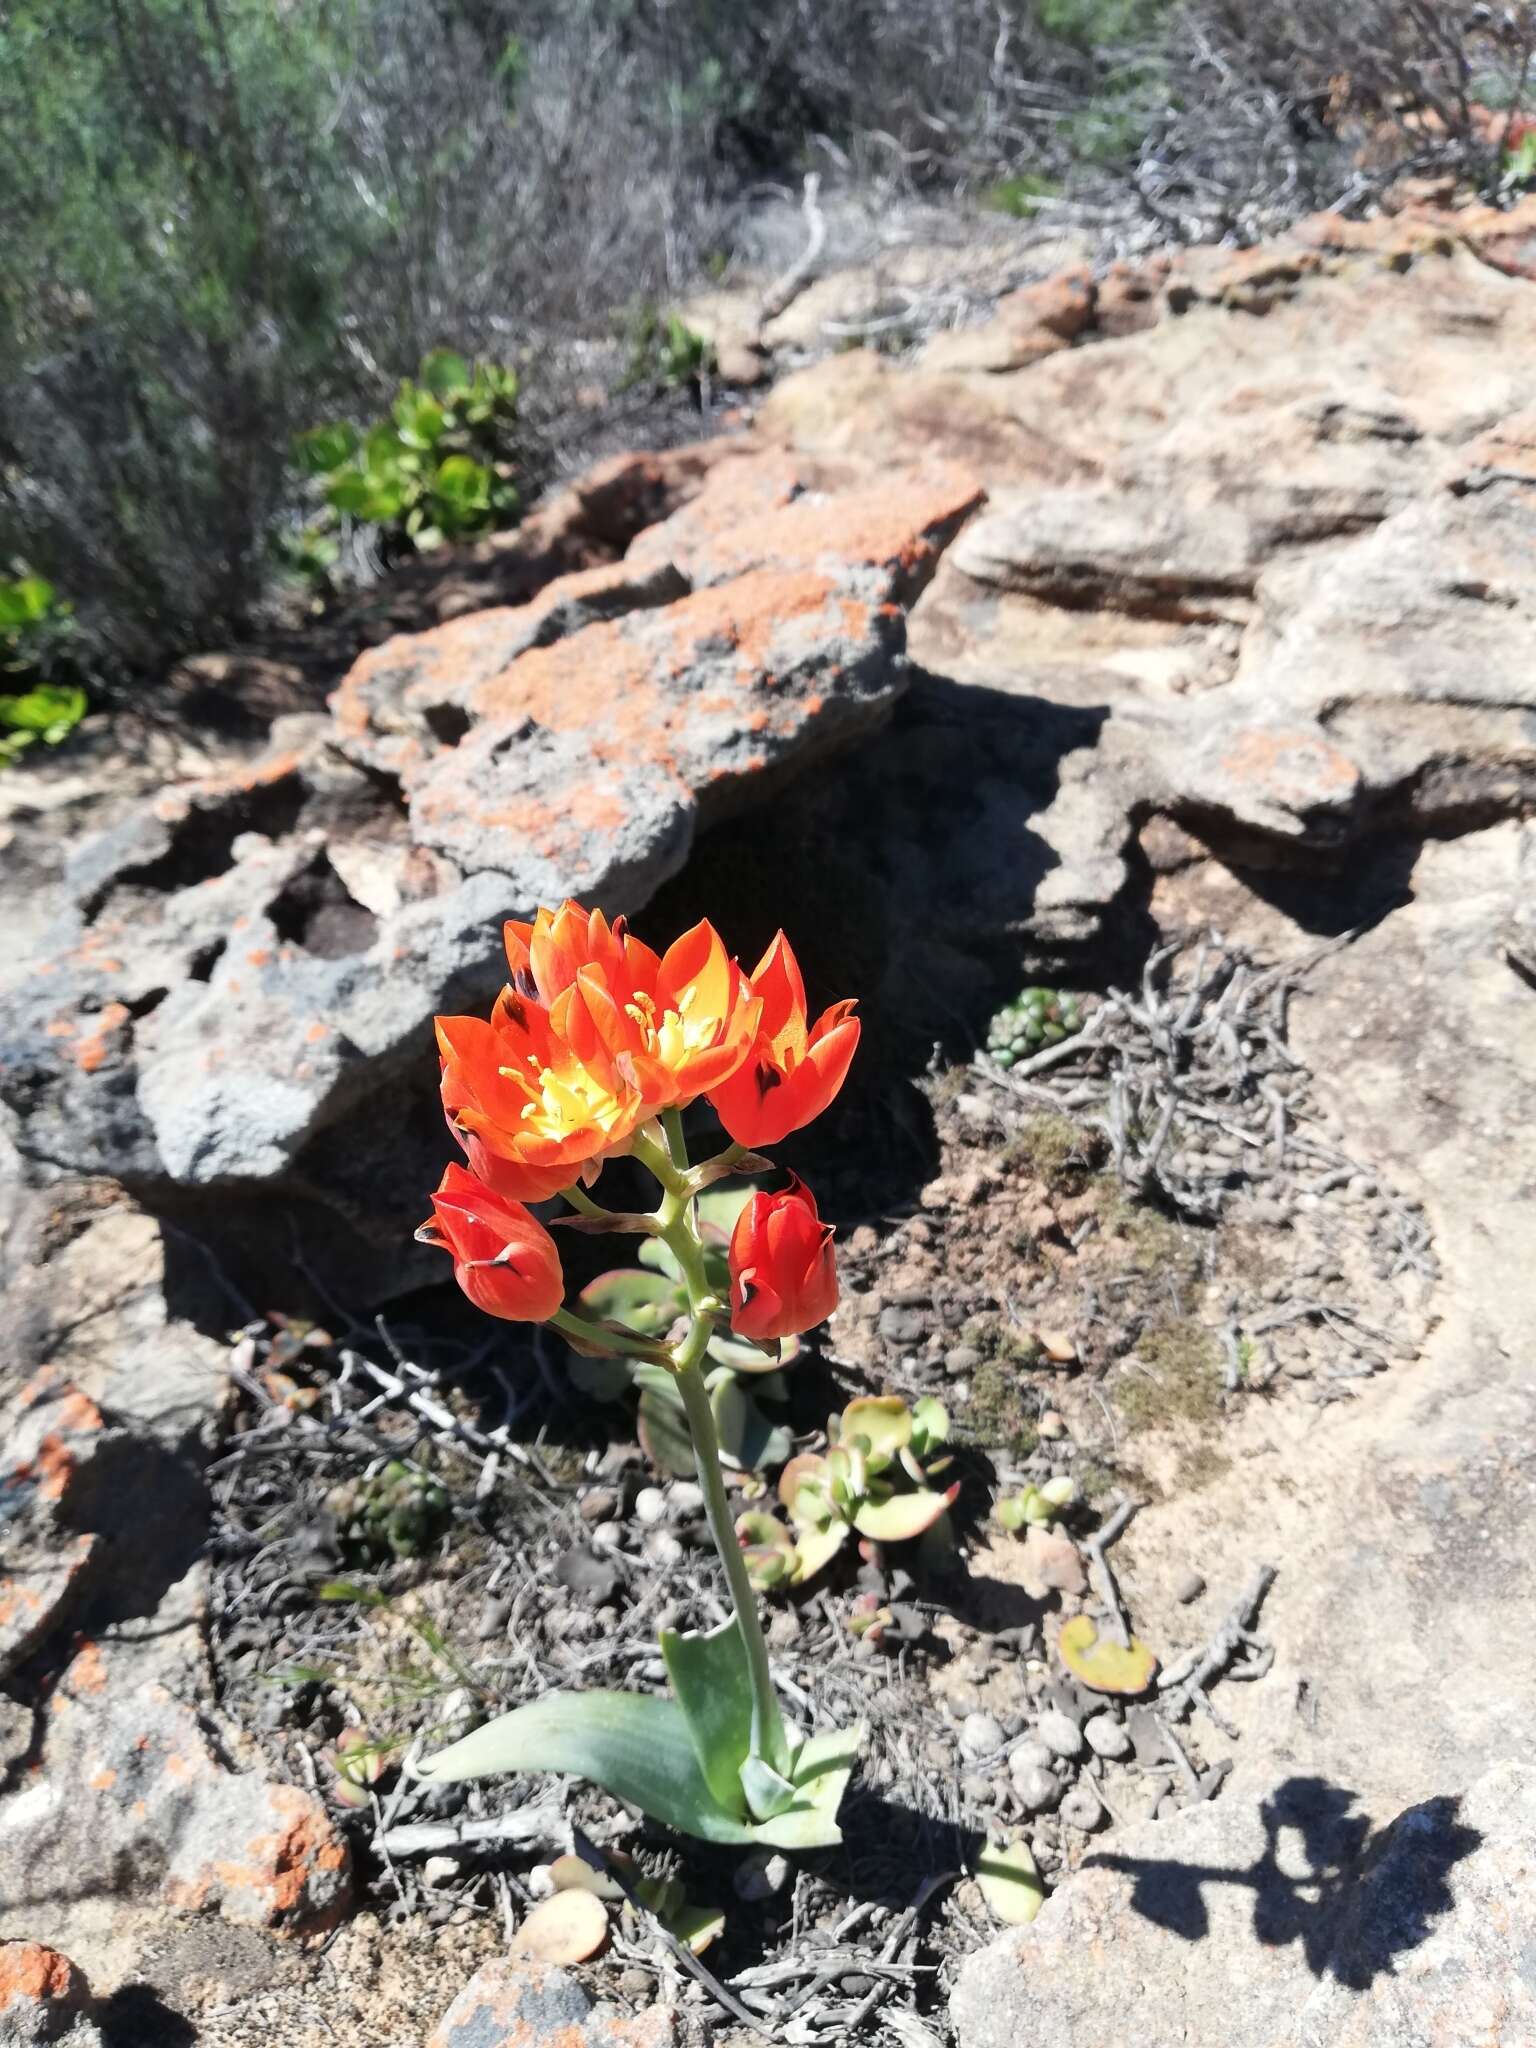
118,1800
248,962
45,2002
1255,567
1280,1912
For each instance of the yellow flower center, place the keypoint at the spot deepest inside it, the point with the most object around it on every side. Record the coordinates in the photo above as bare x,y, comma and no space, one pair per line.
677,1034
564,1100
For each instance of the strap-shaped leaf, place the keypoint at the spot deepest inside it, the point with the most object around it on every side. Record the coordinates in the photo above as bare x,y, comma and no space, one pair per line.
635,1746
820,1777
713,1683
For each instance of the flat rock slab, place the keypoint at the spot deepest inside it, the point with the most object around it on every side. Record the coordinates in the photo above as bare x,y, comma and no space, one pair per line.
534,2005
1285,1919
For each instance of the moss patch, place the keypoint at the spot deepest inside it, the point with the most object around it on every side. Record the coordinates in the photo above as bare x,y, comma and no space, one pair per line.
1055,1151
1182,1382
1000,1413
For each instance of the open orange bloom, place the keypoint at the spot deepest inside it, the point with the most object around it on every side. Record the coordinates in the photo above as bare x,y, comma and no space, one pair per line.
531,1116
792,1072
666,1028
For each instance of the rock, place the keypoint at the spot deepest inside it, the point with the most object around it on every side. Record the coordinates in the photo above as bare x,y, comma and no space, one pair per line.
590,1578
1271,1909
1188,1588
132,1799
650,1506
1026,325
902,1325
980,1735
509,2004
1080,1808
1038,1789
44,1999
1433,1939
244,963
961,1359
1060,1734
1050,1563
1106,1736
761,1874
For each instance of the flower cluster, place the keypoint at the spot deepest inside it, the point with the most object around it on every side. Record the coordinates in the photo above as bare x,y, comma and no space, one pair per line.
595,1038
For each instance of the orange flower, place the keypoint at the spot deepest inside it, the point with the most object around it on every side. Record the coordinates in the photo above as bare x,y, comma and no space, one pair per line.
503,1258
791,1074
667,1029
783,1273
530,1115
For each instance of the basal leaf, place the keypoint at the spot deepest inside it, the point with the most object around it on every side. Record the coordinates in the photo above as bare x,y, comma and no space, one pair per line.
903,1516
633,1745
713,1684
820,1775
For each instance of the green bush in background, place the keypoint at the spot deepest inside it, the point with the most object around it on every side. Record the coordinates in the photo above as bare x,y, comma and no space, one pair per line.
437,469
36,632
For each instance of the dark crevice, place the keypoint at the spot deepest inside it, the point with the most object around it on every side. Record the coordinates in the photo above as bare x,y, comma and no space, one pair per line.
447,723
314,910
205,959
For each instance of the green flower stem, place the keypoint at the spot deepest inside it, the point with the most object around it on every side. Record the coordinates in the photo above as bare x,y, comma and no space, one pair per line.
595,1338
677,1226
656,1158
769,1741
583,1203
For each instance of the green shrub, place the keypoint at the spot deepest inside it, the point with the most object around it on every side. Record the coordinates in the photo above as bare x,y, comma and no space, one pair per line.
435,470
36,629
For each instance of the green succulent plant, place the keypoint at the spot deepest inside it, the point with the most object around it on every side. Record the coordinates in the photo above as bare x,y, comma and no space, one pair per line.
647,1300
1039,1504
1036,1018
433,471
872,1481
400,1511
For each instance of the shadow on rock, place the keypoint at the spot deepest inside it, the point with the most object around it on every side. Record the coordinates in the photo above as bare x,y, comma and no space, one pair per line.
1303,1905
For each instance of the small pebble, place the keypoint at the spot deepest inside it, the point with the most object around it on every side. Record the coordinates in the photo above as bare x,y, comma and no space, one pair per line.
540,1882
663,1548
439,1869
650,1506
1081,1808
1107,1737
607,1535
981,1735
636,1985
961,1359
1189,1587
599,1506
1037,1789
1051,1425
760,1876
1059,1733
686,1497
1030,1755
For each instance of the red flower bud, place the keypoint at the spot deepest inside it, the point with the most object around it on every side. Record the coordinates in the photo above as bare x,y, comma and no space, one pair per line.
503,1258
783,1274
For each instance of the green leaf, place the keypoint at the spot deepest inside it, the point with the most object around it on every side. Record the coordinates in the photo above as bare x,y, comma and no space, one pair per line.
632,1745
1011,1883
748,1440
744,1357
646,1303
816,1548
930,1425
445,374
50,709
768,1791
883,1421
25,602
820,1775
713,1683
663,1427
901,1517
463,483
655,1254
364,496
322,450
419,418
600,1379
